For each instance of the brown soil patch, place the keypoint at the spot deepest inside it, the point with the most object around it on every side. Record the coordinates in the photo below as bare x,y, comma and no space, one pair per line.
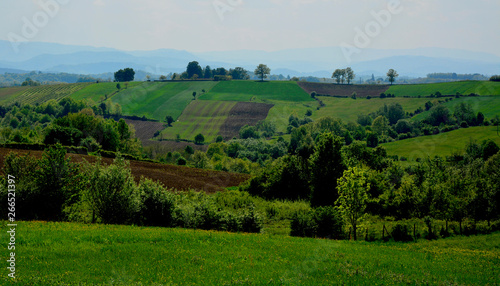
178,177
243,113
145,130
343,89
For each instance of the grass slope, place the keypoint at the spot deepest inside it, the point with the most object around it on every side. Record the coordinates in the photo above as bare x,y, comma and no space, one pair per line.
157,100
7,92
441,144
205,117
488,105
447,88
83,254
254,90
43,93
98,91
348,109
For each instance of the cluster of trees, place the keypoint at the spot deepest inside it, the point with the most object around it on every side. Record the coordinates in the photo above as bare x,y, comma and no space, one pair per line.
495,78
54,188
343,75
195,71
357,180
125,75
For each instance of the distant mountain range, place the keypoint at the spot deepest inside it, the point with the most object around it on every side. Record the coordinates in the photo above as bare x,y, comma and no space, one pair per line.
319,62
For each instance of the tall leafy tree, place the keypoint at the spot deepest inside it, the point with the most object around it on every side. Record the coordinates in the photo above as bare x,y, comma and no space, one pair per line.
262,71
353,195
327,166
208,73
125,75
392,75
194,68
349,75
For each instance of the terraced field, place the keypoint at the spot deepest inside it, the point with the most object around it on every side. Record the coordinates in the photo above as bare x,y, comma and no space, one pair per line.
447,88
156,100
257,91
7,92
97,92
441,144
200,116
43,93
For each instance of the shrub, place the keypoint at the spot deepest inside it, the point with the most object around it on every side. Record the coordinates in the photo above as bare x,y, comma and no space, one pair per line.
495,78
199,139
401,232
157,204
250,221
112,192
189,150
303,224
309,112
464,124
181,161
329,222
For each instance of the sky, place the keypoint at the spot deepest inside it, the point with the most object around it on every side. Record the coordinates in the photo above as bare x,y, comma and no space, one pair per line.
270,25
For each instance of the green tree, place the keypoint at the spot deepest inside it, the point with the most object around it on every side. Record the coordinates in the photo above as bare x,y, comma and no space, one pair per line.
199,139
125,75
380,125
194,68
169,120
327,166
349,75
439,114
353,195
337,75
395,112
239,73
208,73
392,75
262,71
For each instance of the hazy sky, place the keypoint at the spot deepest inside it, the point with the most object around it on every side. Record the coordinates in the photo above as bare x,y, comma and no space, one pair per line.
214,25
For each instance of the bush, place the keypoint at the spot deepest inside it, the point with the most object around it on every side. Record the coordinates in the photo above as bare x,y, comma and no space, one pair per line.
199,139
401,232
250,221
495,78
112,192
329,222
181,161
303,224
464,124
157,204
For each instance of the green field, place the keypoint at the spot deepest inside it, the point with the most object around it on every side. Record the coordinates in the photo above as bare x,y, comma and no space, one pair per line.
348,109
89,254
283,109
488,105
441,144
447,88
205,117
97,92
157,100
43,93
257,91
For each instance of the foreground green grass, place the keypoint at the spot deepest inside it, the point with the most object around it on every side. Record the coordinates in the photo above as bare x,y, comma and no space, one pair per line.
80,254
447,88
158,99
98,91
441,144
254,90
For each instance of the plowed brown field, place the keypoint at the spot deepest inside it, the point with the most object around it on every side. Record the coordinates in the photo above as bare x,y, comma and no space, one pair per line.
178,177
343,89
243,113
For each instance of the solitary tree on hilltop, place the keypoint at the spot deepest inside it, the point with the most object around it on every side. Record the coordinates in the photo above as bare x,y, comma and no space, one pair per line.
392,75
262,71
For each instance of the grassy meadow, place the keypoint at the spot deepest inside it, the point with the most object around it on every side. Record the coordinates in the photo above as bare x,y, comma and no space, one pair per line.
441,144
70,253
447,88
348,109
488,105
157,100
257,91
